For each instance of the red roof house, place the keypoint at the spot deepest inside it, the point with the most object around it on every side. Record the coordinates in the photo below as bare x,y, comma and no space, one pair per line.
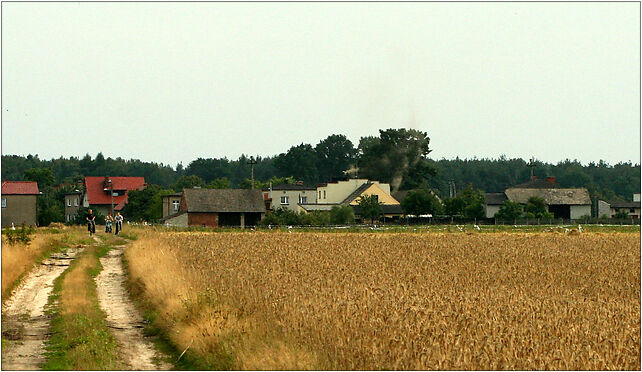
20,188
98,190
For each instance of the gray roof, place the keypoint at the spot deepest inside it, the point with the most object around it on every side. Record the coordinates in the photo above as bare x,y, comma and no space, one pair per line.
551,196
625,204
356,193
287,186
224,200
495,198
400,195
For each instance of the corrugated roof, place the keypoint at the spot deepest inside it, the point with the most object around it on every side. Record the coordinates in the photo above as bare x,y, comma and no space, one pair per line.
224,200
20,188
551,196
495,198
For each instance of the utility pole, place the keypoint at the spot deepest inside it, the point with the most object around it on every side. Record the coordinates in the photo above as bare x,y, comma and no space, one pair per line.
531,165
111,188
252,162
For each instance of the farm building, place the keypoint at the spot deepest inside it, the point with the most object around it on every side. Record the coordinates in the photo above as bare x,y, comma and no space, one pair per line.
569,203
171,203
73,201
19,203
218,207
610,209
98,192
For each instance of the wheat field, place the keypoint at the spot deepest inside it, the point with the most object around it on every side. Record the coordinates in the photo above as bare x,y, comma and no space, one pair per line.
267,300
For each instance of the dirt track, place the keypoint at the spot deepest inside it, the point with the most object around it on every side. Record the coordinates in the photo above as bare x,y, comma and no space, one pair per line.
123,319
24,321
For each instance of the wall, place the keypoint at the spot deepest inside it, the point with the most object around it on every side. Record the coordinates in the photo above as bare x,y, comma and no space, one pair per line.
384,198
491,210
20,209
70,211
293,198
200,219
603,208
578,211
337,192
168,207
178,221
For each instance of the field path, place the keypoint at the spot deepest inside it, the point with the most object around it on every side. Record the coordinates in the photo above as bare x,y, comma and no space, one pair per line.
122,317
24,321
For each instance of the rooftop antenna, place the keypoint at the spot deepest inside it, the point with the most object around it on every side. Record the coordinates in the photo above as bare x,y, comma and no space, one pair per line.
252,162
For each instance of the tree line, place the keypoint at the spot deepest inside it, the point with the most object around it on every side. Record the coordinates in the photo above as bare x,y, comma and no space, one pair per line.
395,156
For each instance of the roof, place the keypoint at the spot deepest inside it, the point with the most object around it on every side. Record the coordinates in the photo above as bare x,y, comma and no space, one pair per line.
551,196
357,192
287,186
400,195
20,188
536,184
385,209
625,204
96,194
495,198
224,200
176,194
318,207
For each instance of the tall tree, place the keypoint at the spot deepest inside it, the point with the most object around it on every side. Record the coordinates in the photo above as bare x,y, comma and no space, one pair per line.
335,154
300,162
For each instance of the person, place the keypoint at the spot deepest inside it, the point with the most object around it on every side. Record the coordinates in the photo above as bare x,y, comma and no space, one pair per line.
91,222
119,222
108,221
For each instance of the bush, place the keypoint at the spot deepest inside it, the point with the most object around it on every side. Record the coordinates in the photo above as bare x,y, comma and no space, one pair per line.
21,235
342,215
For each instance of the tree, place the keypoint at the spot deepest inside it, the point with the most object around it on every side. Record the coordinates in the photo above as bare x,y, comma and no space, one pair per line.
620,215
145,204
188,182
342,215
454,206
370,207
335,154
536,206
421,201
300,162
43,176
509,211
394,155
220,183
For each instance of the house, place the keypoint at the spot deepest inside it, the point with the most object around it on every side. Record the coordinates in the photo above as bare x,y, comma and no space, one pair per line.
610,209
171,203
569,203
349,192
289,196
98,192
73,201
218,207
19,203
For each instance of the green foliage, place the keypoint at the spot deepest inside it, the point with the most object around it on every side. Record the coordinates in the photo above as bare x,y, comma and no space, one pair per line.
335,154
341,215
146,204
454,206
468,203
22,235
397,154
509,211
370,207
422,201
43,176
621,215
536,206
299,161
188,182
220,183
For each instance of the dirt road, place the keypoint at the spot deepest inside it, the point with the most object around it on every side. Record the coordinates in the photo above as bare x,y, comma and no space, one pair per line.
122,317
24,321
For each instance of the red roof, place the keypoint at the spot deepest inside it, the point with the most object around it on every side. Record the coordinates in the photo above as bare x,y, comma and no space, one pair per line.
96,193
20,188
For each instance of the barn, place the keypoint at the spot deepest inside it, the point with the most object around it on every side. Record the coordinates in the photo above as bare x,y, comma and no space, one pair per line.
218,208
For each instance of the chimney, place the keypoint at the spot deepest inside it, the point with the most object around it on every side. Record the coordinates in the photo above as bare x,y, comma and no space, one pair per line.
551,179
299,183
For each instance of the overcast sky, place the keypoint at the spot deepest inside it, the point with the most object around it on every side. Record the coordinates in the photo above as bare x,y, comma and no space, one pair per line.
171,82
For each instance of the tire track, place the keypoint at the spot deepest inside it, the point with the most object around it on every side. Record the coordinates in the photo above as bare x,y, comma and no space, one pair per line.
124,320
24,321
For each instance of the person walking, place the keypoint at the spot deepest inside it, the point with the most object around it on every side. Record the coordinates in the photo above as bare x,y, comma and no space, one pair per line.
91,222
108,222
119,222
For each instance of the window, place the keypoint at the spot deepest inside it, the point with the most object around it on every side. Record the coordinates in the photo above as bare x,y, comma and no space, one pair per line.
632,210
69,202
284,200
176,204
304,200
4,202
323,194
76,202
319,194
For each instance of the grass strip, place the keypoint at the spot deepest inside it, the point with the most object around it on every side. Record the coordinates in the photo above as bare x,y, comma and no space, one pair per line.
81,339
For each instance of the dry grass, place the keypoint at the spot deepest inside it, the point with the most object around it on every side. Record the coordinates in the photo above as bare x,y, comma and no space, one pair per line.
397,301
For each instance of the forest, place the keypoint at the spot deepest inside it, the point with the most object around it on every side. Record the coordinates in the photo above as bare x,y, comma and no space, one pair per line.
396,156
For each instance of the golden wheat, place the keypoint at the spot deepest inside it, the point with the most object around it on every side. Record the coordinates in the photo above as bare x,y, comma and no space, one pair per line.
398,301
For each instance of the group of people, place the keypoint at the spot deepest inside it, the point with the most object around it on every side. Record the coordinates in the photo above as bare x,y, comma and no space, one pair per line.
109,221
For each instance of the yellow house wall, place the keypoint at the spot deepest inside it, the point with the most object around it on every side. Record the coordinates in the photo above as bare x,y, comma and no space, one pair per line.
375,189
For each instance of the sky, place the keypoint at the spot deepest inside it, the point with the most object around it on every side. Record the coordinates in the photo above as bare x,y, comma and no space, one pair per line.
172,82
